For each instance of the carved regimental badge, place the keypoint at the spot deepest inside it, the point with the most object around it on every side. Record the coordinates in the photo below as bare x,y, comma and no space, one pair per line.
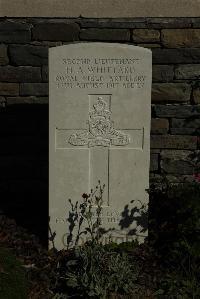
101,130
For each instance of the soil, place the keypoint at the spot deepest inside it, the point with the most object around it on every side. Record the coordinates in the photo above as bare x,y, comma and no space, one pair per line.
40,264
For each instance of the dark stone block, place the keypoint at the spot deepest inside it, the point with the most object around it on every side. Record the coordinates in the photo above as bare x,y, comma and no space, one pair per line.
112,23
9,89
187,71
146,36
159,23
162,73
14,32
181,38
168,56
105,34
177,162
34,89
177,111
156,23
185,126
171,92
159,126
28,55
24,101
177,166
173,142
53,31
20,74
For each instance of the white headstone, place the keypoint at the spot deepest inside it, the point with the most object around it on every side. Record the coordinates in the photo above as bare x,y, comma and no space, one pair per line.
99,129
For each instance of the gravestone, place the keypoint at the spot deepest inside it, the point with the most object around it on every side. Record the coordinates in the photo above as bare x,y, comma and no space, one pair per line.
99,130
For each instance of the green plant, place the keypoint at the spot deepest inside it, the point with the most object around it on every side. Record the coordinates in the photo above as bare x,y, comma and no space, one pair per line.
169,265
86,216
174,227
94,271
13,284
174,217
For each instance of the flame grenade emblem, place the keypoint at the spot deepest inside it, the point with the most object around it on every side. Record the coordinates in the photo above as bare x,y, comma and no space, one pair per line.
101,130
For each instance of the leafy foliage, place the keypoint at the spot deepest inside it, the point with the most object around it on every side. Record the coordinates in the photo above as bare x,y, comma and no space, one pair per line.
94,271
174,235
85,213
168,265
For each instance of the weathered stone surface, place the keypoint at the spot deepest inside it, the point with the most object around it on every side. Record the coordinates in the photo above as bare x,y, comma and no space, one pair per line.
171,92
86,107
173,141
105,34
154,162
177,111
26,100
3,55
34,89
53,31
14,32
177,162
162,73
45,73
176,38
20,74
9,89
183,55
159,126
196,95
185,126
187,71
146,35
28,55
96,9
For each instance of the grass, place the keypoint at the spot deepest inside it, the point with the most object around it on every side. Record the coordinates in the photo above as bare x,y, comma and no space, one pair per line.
13,283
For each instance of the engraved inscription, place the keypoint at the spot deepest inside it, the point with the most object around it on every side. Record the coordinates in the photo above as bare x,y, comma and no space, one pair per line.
101,130
84,73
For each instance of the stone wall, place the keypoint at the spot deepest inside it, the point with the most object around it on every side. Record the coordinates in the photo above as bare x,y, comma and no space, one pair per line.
175,128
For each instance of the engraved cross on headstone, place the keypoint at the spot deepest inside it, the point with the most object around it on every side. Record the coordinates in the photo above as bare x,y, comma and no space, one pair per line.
101,138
